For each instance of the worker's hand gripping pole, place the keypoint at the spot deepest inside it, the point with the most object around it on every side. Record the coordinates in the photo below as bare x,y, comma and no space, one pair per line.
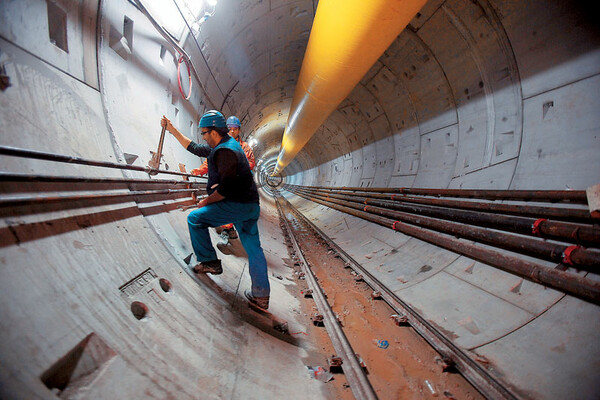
154,163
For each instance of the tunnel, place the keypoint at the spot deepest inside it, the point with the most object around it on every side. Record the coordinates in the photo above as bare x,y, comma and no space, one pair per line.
483,103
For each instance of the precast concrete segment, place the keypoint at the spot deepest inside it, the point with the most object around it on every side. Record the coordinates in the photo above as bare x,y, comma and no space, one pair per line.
175,45
359,383
488,385
346,39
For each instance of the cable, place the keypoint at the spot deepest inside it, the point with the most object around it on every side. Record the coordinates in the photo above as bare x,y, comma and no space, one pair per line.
182,59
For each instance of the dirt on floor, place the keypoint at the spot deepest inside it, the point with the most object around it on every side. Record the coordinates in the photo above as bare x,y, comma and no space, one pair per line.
399,362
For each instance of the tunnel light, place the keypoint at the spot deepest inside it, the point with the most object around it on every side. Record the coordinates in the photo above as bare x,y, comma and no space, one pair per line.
252,142
211,3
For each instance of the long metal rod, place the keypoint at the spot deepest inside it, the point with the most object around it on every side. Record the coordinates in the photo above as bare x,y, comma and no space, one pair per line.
564,231
563,213
570,196
33,178
154,163
469,368
33,200
357,379
582,258
17,152
563,281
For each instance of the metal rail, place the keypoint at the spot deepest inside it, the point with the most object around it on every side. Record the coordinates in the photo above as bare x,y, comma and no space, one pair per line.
566,282
569,196
586,259
577,213
357,379
566,231
17,152
19,177
36,200
478,376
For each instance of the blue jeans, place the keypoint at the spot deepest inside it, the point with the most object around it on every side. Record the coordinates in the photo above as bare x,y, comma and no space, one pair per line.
244,217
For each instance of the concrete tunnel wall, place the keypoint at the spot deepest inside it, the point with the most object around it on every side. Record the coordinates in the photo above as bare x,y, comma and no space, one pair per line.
484,95
474,95
62,270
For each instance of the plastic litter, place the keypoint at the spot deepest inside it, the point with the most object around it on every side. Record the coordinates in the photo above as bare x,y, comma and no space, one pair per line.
320,373
431,388
384,344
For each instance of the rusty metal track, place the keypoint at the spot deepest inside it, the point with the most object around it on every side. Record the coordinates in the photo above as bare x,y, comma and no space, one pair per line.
485,383
356,376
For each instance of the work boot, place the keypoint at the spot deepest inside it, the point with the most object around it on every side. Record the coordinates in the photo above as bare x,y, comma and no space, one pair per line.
260,302
219,229
232,233
208,267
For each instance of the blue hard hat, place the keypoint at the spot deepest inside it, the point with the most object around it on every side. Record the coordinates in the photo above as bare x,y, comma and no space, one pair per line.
212,118
233,122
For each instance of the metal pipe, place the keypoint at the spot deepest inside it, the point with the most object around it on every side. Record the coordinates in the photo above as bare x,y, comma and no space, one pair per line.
346,39
34,200
563,281
19,177
579,257
569,232
569,196
563,213
17,152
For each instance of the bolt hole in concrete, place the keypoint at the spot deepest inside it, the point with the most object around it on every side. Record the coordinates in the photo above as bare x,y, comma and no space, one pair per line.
165,285
139,309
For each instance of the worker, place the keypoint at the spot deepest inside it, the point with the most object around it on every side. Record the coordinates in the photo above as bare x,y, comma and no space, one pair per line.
234,126
232,197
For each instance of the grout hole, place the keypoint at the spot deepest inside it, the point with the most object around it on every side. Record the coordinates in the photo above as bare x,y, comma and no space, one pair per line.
165,285
139,309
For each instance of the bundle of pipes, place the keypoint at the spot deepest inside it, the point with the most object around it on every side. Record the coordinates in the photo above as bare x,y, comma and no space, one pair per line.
99,191
518,228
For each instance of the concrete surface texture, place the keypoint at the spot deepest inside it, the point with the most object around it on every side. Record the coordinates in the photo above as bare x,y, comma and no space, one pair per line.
498,94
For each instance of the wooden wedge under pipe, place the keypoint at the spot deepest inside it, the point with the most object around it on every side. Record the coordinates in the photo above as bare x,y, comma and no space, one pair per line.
347,37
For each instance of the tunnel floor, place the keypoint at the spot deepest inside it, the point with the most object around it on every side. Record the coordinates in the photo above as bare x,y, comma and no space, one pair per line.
399,363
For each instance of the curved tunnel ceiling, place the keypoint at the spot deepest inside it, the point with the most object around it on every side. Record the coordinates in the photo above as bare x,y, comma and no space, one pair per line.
437,73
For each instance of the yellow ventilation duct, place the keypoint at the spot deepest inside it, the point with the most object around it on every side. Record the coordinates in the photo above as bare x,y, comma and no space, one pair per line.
347,37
